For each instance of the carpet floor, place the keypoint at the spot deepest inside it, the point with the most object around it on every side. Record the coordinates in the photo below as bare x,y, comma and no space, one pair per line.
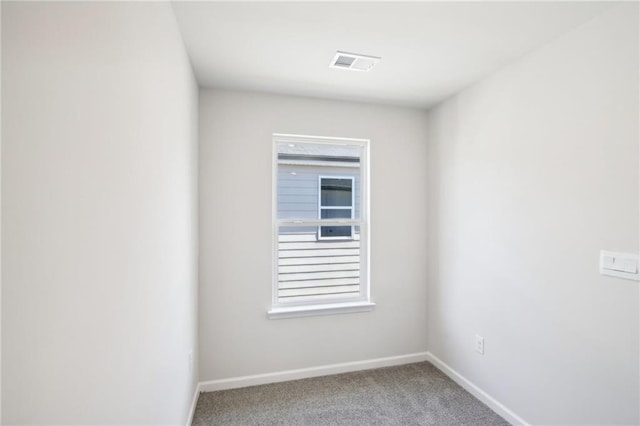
412,394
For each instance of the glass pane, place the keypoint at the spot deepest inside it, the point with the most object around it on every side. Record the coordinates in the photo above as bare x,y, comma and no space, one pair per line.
312,270
335,214
336,192
299,191
335,231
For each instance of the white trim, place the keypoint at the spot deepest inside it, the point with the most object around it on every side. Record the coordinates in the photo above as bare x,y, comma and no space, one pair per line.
274,220
474,390
365,218
194,403
305,373
315,310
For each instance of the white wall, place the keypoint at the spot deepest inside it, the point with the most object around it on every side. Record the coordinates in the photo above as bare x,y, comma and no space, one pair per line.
0,217
532,172
99,193
236,338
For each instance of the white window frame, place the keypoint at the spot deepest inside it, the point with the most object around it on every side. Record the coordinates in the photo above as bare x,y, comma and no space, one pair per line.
352,207
337,305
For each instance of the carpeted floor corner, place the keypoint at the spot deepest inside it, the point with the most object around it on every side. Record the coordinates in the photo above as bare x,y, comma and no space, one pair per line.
412,394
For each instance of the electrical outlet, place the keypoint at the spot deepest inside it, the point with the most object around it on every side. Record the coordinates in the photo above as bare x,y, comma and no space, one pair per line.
479,344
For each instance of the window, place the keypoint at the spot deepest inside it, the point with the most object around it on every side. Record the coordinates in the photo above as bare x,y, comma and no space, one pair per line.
336,202
320,226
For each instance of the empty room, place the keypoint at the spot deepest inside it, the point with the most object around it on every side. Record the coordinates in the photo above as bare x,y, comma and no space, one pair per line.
320,213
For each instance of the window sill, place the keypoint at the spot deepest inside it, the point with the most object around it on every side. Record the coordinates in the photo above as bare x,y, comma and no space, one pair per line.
315,310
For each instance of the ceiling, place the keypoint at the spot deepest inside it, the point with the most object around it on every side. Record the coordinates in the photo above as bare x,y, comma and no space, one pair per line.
429,50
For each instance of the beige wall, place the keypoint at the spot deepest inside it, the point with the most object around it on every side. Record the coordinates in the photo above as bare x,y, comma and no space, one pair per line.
99,192
236,338
532,172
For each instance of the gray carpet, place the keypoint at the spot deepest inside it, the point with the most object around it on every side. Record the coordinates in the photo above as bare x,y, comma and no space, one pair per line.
413,394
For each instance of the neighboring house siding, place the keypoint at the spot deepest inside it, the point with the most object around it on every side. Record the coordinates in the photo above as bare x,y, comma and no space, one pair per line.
322,269
298,194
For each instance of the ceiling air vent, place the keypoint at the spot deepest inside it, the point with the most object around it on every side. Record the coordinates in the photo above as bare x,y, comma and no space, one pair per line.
353,61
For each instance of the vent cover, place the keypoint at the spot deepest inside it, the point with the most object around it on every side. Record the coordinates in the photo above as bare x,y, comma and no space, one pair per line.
353,61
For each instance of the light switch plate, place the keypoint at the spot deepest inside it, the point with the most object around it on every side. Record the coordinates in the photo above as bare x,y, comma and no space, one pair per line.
620,265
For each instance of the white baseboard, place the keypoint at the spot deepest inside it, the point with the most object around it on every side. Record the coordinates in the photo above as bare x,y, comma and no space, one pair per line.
194,402
474,390
304,373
